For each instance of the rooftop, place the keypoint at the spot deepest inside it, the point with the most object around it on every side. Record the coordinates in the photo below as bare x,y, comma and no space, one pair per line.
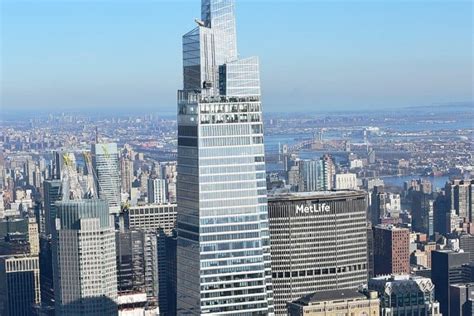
330,296
290,196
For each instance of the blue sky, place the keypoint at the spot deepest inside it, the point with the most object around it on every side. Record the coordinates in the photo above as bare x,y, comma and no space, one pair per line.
315,55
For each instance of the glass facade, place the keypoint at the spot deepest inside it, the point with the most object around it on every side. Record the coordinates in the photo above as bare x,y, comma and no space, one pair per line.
223,250
105,160
84,259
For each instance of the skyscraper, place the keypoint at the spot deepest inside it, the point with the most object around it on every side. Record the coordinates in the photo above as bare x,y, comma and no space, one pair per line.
318,243
52,194
105,161
460,193
377,204
84,262
19,284
391,250
446,269
311,175
329,170
156,191
223,249
126,172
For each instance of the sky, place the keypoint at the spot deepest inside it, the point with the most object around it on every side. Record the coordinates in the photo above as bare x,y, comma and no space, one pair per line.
124,55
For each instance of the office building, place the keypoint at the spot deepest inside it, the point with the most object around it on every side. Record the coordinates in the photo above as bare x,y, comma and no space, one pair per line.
223,250
318,243
377,205
405,295
151,217
33,236
105,162
156,191
52,194
422,212
84,261
329,171
447,269
384,206
126,169
466,243
19,285
370,251
461,297
441,213
169,174
310,175
168,277
157,223
345,181
459,192
46,272
130,262
335,303
391,250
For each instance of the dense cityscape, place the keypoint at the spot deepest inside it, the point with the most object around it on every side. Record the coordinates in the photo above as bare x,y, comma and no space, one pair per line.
227,209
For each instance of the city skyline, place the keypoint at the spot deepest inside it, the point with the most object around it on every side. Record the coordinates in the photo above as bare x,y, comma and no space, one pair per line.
287,198
345,55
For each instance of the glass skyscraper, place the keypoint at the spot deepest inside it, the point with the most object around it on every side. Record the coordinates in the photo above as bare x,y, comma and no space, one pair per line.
223,250
84,259
105,161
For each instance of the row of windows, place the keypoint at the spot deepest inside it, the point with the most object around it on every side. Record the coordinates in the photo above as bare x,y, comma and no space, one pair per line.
218,153
226,130
230,108
233,202
326,271
229,228
224,237
237,245
231,262
229,118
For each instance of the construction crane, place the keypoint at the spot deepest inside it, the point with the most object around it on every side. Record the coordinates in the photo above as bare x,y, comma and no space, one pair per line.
91,183
70,182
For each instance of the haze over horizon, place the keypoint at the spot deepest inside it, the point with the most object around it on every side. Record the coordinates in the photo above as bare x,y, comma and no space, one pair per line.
69,56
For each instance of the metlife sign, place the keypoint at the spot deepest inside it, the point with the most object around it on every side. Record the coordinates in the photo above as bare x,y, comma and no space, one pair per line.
313,208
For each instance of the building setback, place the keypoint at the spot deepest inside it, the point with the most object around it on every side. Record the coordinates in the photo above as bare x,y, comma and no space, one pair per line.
318,243
84,260
446,269
461,298
223,249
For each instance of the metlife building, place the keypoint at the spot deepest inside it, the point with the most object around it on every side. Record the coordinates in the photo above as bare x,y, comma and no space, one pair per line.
318,243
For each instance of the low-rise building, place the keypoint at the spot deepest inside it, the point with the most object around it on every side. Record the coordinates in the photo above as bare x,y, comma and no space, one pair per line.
334,303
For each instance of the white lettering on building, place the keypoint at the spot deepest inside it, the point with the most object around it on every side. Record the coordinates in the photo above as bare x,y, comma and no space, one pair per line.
312,208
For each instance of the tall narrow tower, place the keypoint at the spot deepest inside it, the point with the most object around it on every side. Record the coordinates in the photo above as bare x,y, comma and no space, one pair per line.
223,250
105,161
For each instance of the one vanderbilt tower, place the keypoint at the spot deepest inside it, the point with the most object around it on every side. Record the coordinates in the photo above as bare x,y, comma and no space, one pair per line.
223,238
